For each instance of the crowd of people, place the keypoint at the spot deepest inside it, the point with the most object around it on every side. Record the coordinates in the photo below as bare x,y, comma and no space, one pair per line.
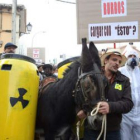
122,106
46,70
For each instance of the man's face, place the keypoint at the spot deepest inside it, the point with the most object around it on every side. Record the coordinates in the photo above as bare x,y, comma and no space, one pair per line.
113,63
10,49
40,69
132,61
48,71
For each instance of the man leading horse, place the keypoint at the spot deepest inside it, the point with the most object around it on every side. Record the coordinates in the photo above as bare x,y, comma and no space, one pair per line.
118,98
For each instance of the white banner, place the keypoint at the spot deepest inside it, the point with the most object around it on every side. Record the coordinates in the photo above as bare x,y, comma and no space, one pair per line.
113,31
114,8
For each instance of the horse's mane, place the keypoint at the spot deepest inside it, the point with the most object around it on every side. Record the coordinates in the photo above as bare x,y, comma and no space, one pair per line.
68,81
59,94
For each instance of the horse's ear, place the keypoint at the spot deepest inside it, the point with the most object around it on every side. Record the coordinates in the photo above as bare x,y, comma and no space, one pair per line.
94,54
86,59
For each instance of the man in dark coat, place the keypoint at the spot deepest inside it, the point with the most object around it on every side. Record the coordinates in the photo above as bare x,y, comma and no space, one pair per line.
118,97
48,70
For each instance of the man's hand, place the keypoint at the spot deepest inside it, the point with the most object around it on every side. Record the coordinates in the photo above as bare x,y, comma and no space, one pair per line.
104,108
81,114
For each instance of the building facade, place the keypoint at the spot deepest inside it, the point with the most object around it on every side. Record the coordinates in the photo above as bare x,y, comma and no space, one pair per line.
6,23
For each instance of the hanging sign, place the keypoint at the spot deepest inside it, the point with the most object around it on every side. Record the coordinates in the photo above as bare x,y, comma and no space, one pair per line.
108,21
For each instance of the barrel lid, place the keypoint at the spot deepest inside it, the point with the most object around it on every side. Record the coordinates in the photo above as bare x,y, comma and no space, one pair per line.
67,61
17,56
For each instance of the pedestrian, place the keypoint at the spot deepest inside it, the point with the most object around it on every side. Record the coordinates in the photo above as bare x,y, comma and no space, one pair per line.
118,98
55,70
40,71
48,70
10,48
130,126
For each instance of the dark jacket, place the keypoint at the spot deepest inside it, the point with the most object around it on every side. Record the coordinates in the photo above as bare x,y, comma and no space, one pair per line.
119,99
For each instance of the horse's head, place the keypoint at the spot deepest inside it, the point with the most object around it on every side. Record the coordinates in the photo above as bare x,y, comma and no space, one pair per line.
90,85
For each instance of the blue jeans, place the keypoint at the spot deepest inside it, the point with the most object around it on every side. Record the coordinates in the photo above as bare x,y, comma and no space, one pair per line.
92,135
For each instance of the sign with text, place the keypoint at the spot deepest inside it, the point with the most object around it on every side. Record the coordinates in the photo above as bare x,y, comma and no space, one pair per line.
113,31
114,8
35,53
108,21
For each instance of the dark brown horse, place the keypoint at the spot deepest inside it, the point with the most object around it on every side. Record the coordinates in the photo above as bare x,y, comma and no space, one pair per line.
78,89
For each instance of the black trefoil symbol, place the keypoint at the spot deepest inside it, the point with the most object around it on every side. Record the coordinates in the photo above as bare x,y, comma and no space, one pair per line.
14,100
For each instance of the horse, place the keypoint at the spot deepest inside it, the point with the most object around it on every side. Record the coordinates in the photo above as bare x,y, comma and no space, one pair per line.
81,88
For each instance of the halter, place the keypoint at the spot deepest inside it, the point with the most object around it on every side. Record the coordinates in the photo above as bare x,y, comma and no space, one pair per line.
85,85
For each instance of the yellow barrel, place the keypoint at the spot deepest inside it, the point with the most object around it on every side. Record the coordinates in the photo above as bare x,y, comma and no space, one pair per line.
19,82
62,66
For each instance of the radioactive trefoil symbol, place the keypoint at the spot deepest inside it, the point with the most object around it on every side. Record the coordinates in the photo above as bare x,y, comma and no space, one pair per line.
14,100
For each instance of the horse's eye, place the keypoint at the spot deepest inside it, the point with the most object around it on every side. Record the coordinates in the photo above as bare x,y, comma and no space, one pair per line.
92,77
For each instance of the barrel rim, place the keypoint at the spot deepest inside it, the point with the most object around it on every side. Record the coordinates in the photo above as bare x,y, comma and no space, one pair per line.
69,60
18,56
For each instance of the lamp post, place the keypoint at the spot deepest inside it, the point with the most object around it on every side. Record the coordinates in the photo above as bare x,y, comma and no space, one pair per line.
29,27
35,35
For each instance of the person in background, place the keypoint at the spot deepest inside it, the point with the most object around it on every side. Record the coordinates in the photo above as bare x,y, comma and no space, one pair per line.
130,126
55,71
10,48
40,70
48,70
118,98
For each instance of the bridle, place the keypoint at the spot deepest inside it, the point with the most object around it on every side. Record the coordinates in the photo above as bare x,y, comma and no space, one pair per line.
84,79
85,85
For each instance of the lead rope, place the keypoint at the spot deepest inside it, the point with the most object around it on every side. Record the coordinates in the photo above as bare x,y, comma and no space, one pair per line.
93,113
103,129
